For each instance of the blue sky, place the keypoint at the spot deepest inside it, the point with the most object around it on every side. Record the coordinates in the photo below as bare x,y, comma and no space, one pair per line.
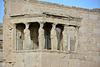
1,10
89,4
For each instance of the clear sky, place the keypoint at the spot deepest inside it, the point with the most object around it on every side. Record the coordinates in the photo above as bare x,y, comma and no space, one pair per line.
1,10
89,4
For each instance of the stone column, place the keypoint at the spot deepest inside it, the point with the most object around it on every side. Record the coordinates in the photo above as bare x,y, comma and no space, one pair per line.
27,40
53,38
65,38
41,37
14,37
68,39
76,35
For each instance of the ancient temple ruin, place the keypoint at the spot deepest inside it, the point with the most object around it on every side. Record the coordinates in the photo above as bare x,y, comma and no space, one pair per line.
42,34
45,33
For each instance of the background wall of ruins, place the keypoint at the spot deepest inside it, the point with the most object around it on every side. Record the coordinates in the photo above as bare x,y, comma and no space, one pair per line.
88,54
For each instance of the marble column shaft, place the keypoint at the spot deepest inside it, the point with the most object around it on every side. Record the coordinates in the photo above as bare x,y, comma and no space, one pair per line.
27,40
41,37
14,37
76,34
65,38
53,38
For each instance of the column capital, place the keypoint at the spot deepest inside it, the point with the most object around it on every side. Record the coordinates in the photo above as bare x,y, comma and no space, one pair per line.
27,25
41,23
54,23
54,26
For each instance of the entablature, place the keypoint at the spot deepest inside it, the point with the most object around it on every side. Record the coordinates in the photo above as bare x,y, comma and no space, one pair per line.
46,17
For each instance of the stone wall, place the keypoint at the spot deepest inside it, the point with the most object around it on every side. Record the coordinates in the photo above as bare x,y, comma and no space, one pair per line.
1,43
88,52
1,35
